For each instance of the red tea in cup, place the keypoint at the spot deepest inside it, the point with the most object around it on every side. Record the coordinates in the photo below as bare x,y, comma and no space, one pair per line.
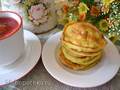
7,26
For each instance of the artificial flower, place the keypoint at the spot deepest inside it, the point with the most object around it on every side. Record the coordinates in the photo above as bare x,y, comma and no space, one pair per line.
103,25
113,38
37,11
82,17
107,2
95,11
105,9
110,22
65,8
38,14
83,8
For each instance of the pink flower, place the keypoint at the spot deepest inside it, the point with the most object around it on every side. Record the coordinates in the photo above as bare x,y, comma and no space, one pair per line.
37,11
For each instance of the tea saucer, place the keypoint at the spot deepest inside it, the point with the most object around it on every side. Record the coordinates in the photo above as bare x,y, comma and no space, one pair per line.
25,63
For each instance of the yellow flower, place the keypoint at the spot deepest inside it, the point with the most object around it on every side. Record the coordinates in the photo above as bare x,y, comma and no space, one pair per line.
107,2
103,25
83,8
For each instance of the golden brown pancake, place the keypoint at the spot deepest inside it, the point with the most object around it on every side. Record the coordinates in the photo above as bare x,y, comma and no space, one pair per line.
81,54
79,48
72,65
81,60
84,34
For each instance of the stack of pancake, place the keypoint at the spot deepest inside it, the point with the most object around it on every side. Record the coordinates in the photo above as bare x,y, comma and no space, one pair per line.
81,46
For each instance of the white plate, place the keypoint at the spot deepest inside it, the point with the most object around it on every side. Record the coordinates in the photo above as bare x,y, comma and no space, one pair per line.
98,75
25,63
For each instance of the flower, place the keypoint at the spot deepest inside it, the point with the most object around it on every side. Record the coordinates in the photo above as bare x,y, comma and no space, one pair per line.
105,9
83,8
110,22
113,38
38,14
42,20
65,8
94,11
107,2
103,25
82,17
37,11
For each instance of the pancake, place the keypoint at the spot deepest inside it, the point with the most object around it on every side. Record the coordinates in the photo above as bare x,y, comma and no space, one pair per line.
81,43
79,60
79,48
77,53
72,65
84,34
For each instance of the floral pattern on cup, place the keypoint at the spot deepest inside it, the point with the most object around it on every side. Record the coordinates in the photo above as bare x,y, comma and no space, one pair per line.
37,11
38,14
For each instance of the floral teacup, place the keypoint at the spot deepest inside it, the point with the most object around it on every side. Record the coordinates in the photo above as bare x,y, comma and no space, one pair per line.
38,15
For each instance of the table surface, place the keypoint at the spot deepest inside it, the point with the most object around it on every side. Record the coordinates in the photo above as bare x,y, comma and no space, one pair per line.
39,78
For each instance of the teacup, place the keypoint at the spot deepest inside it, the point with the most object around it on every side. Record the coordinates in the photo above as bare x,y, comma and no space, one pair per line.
11,37
38,15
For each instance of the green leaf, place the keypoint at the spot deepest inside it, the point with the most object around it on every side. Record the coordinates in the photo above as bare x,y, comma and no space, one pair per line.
88,1
73,17
91,1
84,1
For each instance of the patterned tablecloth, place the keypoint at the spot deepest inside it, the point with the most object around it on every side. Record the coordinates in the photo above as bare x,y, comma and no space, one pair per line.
39,78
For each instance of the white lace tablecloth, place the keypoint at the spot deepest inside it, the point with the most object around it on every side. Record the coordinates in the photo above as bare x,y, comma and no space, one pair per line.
39,78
